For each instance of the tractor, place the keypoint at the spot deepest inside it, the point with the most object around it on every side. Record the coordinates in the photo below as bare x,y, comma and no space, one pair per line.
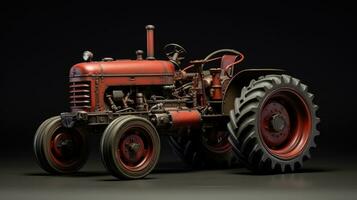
215,113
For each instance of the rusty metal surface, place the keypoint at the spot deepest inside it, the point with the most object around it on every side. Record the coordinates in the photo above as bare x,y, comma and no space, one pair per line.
185,118
226,62
216,84
101,75
119,68
150,42
80,96
173,102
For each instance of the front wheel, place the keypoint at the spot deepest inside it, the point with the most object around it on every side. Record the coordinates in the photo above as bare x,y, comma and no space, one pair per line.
273,124
130,147
60,150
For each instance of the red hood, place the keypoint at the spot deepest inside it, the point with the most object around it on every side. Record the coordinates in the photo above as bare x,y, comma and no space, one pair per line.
122,67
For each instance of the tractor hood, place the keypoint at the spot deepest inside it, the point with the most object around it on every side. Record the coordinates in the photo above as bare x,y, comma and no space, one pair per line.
122,68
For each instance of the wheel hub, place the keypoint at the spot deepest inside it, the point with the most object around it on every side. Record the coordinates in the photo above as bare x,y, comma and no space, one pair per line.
275,124
66,147
285,123
63,145
132,148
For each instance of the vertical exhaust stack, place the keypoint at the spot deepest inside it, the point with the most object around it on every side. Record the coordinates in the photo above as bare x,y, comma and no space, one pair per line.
150,42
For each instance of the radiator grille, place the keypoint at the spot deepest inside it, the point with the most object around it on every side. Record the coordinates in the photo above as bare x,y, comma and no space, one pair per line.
79,94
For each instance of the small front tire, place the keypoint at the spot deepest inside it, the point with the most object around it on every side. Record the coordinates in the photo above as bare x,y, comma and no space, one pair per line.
130,147
60,150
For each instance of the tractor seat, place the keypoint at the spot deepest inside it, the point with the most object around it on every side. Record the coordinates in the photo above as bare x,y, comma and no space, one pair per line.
227,60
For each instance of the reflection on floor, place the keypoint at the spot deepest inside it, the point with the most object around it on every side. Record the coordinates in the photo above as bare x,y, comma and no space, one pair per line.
320,178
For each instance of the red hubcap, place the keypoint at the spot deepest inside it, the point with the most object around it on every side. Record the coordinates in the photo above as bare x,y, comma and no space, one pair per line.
285,123
135,149
65,147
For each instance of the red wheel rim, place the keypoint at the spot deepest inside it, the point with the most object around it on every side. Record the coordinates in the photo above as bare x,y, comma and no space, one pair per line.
285,123
65,147
135,149
217,141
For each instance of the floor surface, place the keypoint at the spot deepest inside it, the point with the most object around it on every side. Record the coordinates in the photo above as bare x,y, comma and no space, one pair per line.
320,178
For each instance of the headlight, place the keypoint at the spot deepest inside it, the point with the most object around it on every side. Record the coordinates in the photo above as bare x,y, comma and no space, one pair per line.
87,56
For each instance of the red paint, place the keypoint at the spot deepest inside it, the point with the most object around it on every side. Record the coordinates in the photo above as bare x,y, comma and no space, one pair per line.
56,152
216,84
119,73
123,67
185,118
227,60
150,42
295,135
272,137
138,158
284,121
80,95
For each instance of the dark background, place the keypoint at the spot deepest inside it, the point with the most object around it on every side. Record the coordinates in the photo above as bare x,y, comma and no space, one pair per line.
314,41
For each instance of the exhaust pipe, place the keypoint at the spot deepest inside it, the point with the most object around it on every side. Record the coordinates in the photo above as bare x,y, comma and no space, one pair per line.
150,42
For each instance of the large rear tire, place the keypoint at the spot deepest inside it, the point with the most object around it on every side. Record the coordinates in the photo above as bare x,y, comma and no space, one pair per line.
273,124
130,147
60,150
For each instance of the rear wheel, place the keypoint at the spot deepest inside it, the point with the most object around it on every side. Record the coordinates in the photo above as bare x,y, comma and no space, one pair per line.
58,149
130,147
209,148
273,124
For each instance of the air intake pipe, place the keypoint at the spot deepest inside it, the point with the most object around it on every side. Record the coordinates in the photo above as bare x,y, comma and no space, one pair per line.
150,42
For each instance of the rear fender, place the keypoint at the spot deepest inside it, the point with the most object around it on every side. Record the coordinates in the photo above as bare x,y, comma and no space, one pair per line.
238,81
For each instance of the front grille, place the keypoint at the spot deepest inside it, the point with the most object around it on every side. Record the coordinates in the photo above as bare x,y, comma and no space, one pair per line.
79,94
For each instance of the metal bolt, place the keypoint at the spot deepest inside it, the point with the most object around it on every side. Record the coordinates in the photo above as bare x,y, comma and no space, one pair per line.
278,122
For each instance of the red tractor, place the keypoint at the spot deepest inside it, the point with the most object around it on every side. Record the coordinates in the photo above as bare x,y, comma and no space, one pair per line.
214,112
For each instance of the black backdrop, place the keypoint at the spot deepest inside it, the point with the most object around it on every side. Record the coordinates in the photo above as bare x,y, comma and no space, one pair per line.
313,41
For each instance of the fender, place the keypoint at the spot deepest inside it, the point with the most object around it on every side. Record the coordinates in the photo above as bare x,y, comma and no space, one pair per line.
233,86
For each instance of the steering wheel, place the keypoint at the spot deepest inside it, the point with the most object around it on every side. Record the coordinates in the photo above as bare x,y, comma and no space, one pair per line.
175,53
222,51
